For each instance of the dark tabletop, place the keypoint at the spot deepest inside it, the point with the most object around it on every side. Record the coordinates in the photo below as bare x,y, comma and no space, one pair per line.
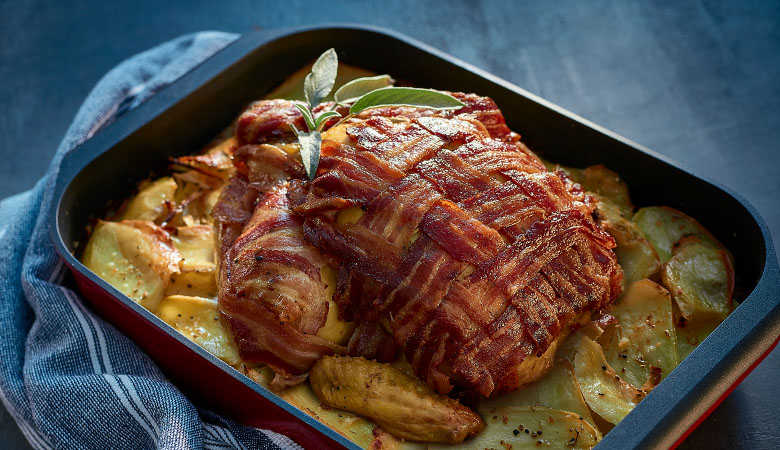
698,81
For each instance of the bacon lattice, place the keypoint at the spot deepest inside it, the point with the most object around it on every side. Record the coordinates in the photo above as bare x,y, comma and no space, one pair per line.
469,250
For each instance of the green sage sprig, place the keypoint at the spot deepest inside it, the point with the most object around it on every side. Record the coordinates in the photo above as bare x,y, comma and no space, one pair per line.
363,93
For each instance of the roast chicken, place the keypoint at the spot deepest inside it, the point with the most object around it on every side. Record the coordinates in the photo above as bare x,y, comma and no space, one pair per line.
455,248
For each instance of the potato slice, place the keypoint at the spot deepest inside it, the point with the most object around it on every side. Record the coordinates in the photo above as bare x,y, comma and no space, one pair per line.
635,253
605,184
196,246
198,319
664,226
531,427
701,280
150,202
136,257
690,335
350,425
645,337
606,393
198,270
193,284
334,330
349,215
401,404
200,208
558,389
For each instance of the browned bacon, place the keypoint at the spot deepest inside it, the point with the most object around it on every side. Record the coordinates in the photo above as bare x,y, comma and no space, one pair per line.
474,255
271,296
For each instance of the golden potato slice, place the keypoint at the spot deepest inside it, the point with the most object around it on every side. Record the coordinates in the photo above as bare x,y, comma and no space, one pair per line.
531,427
193,284
535,367
334,330
136,257
200,208
348,424
701,280
635,253
607,394
198,319
558,389
691,334
645,337
349,215
151,200
197,247
664,226
198,270
605,184
399,403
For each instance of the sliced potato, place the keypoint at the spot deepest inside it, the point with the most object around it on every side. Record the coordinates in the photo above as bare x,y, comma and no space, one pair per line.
664,226
334,330
645,336
136,257
386,441
198,319
605,184
690,335
349,215
638,260
607,394
701,280
401,404
531,427
350,425
200,208
193,284
198,270
196,246
635,253
558,389
150,202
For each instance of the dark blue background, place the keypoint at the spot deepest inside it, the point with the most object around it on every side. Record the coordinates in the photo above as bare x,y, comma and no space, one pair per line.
698,81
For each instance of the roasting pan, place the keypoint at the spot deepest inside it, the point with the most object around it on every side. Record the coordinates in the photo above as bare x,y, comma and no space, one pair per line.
187,114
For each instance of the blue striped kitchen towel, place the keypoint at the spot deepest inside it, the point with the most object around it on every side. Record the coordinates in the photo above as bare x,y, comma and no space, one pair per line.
69,379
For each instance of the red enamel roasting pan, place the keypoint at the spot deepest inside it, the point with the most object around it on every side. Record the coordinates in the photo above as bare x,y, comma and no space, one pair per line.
185,116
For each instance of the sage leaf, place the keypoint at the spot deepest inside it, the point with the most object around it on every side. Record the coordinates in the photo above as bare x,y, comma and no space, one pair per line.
311,143
324,117
307,117
319,82
405,96
351,91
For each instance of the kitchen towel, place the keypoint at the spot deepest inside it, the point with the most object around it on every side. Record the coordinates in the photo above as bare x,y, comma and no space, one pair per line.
69,379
